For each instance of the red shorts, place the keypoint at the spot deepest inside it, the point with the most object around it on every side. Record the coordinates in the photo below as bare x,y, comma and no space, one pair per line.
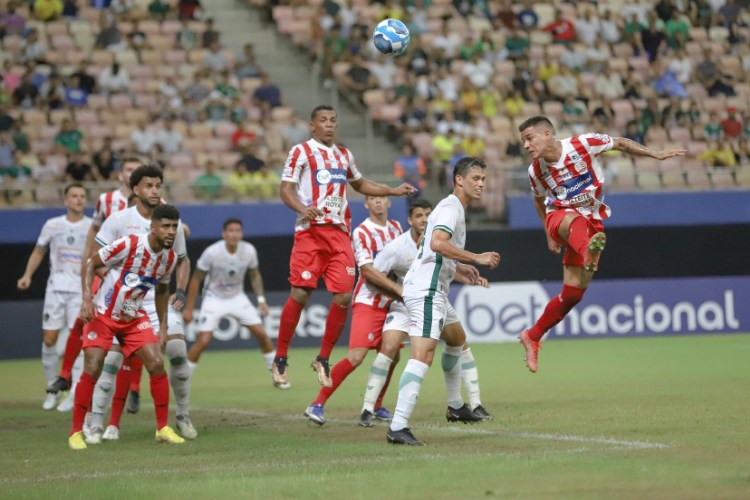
322,251
132,336
554,219
367,326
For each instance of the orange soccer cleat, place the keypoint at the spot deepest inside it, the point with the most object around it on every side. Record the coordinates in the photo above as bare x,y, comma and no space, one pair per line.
594,251
532,350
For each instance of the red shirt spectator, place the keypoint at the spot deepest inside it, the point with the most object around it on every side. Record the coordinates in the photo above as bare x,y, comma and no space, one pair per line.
562,30
242,135
731,125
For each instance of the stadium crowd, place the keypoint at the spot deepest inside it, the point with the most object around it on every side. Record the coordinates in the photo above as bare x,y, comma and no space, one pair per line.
83,86
662,73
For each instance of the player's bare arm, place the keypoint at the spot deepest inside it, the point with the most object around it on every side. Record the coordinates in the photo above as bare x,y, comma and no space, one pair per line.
369,188
469,275
195,284
90,247
633,148
35,259
289,197
380,282
179,298
256,281
541,210
441,244
93,264
162,303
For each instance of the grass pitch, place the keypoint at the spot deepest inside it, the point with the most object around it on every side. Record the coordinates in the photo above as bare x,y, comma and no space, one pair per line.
622,418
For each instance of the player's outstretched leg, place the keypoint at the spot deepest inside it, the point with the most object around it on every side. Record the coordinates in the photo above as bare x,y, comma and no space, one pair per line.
258,331
104,390
340,371
380,376
287,325
470,376
134,398
334,326
179,377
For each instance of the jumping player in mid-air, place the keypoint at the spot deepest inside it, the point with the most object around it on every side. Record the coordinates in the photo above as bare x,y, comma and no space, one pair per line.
314,184
567,183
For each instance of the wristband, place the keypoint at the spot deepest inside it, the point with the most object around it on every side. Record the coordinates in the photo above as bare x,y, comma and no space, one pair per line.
261,299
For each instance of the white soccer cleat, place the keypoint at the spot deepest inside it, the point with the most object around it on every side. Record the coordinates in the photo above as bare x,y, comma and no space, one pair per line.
68,403
95,436
111,434
87,425
186,427
50,401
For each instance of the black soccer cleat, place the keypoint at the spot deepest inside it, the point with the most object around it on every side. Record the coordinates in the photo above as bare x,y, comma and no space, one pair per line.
480,412
404,436
134,402
367,419
61,384
463,414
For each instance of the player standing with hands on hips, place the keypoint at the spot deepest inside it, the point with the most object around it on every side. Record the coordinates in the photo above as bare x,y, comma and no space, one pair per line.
314,185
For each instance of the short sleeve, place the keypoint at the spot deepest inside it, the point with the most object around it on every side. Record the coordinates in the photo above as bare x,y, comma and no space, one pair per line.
252,263
180,247
294,165
108,232
99,212
447,219
386,260
596,144
115,252
205,261
45,237
352,173
536,186
361,244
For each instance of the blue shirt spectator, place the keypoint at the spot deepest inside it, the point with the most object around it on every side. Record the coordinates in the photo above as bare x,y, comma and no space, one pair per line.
409,167
268,92
527,17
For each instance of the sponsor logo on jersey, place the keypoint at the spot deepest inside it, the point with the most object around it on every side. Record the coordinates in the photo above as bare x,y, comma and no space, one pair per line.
231,272
389,319
330,175
440,325
134,280
108,297
66,254
350,271
565,190
46,316
144,325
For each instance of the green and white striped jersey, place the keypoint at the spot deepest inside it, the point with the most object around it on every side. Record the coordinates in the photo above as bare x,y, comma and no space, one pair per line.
430,273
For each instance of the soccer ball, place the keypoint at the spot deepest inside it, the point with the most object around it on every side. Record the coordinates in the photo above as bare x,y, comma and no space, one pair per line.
391,37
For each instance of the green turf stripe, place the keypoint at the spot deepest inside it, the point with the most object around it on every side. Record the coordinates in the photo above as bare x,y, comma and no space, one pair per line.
448,361
379,371
445,228
111,369
179,360
466,366
407,378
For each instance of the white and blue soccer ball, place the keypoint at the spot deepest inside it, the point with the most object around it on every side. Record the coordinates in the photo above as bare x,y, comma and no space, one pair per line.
391,37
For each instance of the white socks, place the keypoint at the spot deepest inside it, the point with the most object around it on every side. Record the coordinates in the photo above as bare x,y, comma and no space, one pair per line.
104,390
75,373
376,381
49,362
179,374
268,356
452,373
192,366
470,377
408,392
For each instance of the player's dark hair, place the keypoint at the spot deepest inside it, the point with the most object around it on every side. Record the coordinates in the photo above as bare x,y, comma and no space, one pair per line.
322,107
73,185
536,120
464,166
231,220
168,212
145,171
418,203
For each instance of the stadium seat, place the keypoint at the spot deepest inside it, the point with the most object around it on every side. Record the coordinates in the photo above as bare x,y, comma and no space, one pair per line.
722,179
649,181
646,165
673,180
743,177
680,134
625,182
698,179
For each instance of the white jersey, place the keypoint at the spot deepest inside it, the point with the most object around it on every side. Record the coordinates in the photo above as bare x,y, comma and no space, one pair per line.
396,258
368,239
109,203
430,273
66,241
321,174
134,269
225,272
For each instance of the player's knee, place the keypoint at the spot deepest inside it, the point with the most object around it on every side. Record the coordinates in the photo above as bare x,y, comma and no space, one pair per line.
301,295
154,364
342,299
50,339
356,358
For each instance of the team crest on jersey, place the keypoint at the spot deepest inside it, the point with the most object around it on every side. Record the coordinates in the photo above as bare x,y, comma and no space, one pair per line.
231,272
92,335
46,316
388,319
580,166
71,240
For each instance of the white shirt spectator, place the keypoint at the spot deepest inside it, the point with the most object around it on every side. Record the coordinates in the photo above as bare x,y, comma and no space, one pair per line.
118,82
46,173
448,43
588,30
636,8
683,68
597,54
610,32
32,51
143,140
169,140
449,88
458,127
479,73
167,89
573,59
609,86
385,72
216,61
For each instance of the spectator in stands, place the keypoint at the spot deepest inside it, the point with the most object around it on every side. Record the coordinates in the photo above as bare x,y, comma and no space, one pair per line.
142,139
226,88
295,131
632,29
409,167
731,126
32,48
610,32
713,130
442,147
574,114
136,37
240,180
666,84
562,31
6,121
527,18
651,41
216,110
637,9
109,37
514,103
20,138
678,31
631,86
588,28
665,9
70,9
478,71
7,150
244,136
248,159
710,75
472,144
450,165
52,92
168,139
85,80
742,152
505,17
692,115
265,182
186,37
159,10
604,112
77,170
446,42
210,35
48,10
701,14
186,8
5,93
68,140
106,161
729,13
214,60
418,58
359,78
682,66
573,59
45,172
114,80
671,113
563,84
650,115
246,67
125,9
26,94
208,185
189,112
598,56
718,154
632,133
237,112
10,22
516,44
196,91
385,72
10,79
736,38
745,126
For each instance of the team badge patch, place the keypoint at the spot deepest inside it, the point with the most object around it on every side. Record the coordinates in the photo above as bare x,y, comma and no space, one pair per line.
92,335
370,337
231,272
306,275
71,240
46,316
388,319
580,166
132,280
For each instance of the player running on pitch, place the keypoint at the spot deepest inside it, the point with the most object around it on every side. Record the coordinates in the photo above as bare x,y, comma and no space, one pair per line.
369,309
65,237
425,295
135,265
567,183
222,267
314,185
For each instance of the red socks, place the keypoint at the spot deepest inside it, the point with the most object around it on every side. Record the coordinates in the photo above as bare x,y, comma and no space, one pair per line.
558,307
287,324
160,393
84,393
122,387
342,370
579,235
137,367
334,326
379,402
72,348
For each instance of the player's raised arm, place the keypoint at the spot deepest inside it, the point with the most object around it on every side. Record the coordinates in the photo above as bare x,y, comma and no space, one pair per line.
369,188
195,284
440,243
633,148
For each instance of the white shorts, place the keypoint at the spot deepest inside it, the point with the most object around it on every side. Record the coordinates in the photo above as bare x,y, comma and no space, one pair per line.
398,318
60,309
429,315
174,320
238,307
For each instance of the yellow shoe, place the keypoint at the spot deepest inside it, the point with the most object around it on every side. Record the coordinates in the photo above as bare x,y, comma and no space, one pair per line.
76,441
168,435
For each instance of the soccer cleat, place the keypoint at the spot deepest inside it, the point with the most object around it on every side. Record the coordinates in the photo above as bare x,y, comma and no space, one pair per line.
383,414
315,413
279,372
593,251
111,434
134,402
404,436
87,424
367,419
480,412
95,436
68,403
51,400
59,385
320,365
76,442
280,385
185,427
532,351
167,435
463,414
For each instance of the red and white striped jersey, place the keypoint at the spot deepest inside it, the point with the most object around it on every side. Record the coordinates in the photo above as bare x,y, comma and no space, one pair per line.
576,180
321,174
134,269
368,239
107,204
